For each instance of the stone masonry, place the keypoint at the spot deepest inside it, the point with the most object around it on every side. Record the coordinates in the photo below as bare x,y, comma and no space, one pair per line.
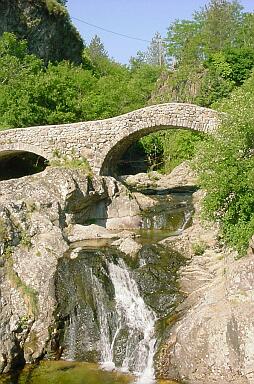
103,142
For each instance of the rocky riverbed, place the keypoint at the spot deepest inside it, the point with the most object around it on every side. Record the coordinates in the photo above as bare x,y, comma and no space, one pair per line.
209,338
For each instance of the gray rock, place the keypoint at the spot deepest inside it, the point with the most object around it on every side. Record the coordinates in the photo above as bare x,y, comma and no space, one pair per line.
128,246
181,176
79,232
213,340
48,30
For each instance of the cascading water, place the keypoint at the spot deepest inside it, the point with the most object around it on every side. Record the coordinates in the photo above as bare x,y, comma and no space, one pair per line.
71,338
105,342
109,304
140,320
173,215
131,312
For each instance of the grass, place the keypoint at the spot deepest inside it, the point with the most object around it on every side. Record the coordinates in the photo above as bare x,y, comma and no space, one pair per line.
74,161
3,230
199,248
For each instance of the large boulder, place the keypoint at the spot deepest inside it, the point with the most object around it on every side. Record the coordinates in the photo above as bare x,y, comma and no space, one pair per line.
182,176
212,342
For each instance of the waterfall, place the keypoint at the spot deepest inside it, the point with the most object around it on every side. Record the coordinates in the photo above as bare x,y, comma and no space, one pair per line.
140,320
104,316
71,338
105,344
187,217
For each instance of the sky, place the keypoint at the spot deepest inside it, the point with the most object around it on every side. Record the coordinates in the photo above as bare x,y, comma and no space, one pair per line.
136,18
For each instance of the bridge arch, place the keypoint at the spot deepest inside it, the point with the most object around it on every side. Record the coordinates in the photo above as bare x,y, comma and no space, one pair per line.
15,147
156,118
20,160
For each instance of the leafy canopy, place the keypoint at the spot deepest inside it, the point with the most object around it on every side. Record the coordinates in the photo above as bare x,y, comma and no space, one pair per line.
34,94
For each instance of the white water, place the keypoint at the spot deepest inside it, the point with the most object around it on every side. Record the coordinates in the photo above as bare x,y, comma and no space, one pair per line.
140,320
71,339
187,216
105,343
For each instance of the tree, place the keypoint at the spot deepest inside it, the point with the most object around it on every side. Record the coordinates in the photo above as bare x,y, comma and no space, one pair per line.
226,169
246,35
154,55
96,49
184,41
96,57
220,22
32,93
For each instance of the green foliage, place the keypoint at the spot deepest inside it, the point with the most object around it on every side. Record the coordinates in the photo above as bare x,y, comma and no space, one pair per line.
56,7
153,147
179,145
25,239
34,94
211,54
220,24
226,168
199,248
241,62
183,41
226,70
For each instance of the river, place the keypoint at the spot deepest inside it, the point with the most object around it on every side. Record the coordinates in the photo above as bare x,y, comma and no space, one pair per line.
114,309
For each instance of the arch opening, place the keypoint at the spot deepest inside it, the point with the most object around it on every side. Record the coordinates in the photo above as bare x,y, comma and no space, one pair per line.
16,163
145,151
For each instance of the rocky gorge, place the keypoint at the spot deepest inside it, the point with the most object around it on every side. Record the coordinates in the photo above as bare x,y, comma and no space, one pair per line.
195,295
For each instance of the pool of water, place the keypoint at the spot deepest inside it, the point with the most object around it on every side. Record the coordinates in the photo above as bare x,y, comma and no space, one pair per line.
64,372
169,217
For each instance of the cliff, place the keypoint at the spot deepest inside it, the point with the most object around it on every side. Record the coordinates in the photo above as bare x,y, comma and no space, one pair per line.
46,25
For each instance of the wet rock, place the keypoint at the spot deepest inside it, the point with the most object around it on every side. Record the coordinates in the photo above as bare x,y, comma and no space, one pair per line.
144,201
199,236
35,212
120,210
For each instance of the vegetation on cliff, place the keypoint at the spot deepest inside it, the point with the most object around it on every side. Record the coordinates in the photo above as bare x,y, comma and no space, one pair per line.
46,26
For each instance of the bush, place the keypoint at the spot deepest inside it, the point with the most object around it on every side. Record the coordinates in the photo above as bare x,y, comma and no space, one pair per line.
225,164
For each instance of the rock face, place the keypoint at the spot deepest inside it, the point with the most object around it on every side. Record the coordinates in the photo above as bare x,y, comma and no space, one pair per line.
46,26
213,340
181,176
35,212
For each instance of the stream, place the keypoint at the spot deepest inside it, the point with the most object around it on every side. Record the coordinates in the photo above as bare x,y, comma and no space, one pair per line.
115,310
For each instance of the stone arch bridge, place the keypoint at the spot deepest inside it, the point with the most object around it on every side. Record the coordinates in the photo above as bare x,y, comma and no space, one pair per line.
103,142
